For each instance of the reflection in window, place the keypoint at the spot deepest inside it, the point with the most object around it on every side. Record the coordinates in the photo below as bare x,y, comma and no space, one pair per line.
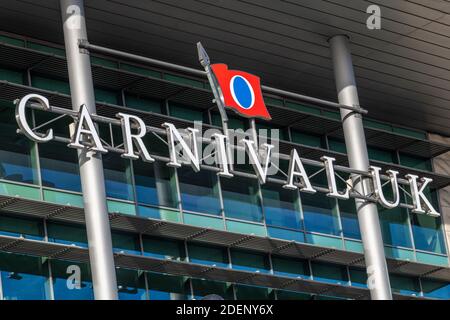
166,287
281,207
199,191
427,233
208,255
131,285
320,213
59,166
394,226
117,177
24,277
241,199
66,285
154,184
16,161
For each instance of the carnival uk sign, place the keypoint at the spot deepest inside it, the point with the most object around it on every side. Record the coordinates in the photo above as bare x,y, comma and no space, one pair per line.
185,145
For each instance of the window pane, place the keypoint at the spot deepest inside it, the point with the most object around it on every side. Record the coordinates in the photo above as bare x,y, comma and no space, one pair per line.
394,226
131,285
185,112
249,261
349,219
166,287
16,162
126,242
404,285
320,213
241,199
427,232
358,277
59,166
67,234
154,184
435,289
163,248
281,207
252,293
117,177
199,191
307,139
23,277
28,228
66,285
208,255
203,288
329,273
290,267
145,104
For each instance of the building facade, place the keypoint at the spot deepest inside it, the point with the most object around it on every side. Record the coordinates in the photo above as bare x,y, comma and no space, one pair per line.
178,234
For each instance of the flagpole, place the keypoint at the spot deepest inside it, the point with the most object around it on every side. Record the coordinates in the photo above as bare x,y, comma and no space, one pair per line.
205,62
254,132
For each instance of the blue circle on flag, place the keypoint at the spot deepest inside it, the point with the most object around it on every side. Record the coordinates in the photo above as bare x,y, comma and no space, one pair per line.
242,92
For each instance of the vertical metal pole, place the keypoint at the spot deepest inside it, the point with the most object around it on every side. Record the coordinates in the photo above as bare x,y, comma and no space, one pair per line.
91,166
369,223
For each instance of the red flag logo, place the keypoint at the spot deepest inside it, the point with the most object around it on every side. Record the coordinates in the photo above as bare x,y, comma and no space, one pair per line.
241,92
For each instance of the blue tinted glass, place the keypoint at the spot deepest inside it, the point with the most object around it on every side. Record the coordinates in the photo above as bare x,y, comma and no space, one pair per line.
280,207
427,233
436,289
199,191
66,234
286,234
16,227
117,177
394,226
15,160
249,261
358,277
127,243
329,273
290,267
319,213
153,184
71,281
349,219
23,277
59,166
404,285
131,285
208,255
241,200
163,248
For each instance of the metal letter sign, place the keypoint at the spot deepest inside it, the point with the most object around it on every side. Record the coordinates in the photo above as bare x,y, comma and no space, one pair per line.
86,136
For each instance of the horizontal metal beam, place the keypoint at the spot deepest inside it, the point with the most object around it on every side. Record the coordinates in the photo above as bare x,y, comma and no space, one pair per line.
200,73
